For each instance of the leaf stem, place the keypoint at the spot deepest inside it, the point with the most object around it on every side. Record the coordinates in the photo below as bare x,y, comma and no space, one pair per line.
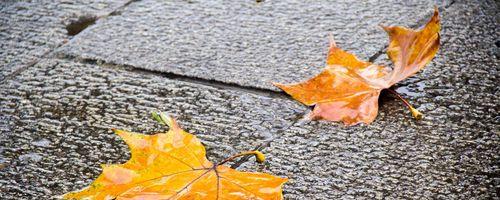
163,119
418,115
260,157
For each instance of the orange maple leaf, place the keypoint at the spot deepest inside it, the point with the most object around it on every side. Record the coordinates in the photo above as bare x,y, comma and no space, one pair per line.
348,89
173,165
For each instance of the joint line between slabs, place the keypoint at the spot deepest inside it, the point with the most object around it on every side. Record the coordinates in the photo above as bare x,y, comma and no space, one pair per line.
50,53
179,77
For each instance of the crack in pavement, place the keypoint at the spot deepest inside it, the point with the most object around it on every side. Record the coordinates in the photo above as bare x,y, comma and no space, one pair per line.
51,53
195,80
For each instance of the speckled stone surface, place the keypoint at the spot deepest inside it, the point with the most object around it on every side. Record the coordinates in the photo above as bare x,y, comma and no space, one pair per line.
57,117
451,154
31,29
243,42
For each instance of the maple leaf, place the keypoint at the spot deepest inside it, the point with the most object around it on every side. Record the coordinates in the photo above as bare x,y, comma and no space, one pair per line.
348,89
173,165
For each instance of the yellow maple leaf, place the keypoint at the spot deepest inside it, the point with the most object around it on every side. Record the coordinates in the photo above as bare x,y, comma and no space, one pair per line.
173,165
348,89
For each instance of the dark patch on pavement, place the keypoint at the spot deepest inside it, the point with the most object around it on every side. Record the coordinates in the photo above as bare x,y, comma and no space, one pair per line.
77,26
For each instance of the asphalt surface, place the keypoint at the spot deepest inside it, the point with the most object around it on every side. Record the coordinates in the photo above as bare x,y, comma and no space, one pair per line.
59,115
30,30
451,154
242,42
209,65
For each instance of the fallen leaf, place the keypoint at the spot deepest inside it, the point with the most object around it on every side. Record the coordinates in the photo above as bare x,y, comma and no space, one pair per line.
348,89
173,165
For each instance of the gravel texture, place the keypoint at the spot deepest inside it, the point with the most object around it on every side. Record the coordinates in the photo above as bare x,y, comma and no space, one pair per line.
31,29
243,42
209,65
56,120
451,154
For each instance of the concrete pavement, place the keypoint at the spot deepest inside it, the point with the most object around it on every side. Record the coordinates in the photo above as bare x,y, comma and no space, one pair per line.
209,64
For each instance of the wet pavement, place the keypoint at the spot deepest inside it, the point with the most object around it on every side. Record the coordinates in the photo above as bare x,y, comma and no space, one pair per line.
210,64
30,30
242,42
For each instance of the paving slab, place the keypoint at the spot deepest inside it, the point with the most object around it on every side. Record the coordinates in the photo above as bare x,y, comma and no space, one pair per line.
55,116
56,119
451,154
243,42
31,29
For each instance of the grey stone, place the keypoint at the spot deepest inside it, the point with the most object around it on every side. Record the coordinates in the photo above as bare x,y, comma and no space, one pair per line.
57,115
31,29
243,42
451,154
